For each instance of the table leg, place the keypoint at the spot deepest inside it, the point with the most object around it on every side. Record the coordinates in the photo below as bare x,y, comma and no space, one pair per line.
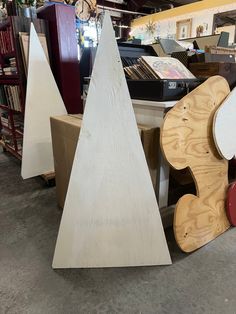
162,181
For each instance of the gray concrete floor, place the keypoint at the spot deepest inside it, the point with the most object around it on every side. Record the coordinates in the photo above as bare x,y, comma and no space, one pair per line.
201,282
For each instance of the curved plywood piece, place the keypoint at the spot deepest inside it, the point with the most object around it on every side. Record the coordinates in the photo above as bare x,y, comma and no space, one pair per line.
187,141
231,204
111,217
43,100
224,127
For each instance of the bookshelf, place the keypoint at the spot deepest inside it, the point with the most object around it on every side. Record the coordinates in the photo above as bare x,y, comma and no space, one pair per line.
13,81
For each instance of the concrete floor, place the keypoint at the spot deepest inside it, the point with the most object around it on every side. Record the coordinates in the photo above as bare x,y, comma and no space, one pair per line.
201,282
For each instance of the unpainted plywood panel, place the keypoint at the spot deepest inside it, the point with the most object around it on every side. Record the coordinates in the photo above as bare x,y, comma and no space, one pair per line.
43,100
187,141
111,217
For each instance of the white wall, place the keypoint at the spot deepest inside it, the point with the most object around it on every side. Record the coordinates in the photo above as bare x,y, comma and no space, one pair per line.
167,28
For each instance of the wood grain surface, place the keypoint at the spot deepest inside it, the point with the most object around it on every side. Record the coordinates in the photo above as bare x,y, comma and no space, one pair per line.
111,217
187,141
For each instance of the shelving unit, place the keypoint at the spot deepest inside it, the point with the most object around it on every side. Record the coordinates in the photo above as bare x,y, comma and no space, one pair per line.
8,52
13,81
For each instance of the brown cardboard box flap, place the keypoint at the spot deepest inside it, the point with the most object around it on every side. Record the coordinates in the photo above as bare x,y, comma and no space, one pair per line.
65,133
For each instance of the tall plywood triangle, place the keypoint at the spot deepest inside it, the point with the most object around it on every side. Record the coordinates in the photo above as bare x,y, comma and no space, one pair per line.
111,217
42,101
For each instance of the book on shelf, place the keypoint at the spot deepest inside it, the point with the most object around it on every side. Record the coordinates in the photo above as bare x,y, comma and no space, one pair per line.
7,137
10,96
11,142
19,142
6,41
4,119
9,70
3,99
12,62
150,67
18,123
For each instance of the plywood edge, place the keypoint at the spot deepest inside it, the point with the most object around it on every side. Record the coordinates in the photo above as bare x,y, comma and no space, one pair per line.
214,135
223,104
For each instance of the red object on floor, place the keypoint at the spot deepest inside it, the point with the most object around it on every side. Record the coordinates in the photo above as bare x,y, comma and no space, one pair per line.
231,204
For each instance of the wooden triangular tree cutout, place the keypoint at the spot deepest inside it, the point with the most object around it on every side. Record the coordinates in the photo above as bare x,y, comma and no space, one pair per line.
43,100
111,217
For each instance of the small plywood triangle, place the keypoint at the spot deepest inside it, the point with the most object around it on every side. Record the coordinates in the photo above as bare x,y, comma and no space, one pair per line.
224,127
111,217
43,100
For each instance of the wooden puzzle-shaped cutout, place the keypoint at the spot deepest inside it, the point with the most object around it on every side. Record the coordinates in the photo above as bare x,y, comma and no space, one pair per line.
187,141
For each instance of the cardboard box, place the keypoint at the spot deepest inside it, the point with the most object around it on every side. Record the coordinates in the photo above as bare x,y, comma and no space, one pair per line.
65,133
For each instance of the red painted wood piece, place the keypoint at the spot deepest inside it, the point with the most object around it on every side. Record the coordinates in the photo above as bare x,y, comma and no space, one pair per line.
231,203
64,52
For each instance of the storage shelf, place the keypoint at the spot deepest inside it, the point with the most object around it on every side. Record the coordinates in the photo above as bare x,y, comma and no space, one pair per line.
18,132
7,77
7,128
9,81
2,143
4,107
10,149
8,54
10,109
4,24
13,151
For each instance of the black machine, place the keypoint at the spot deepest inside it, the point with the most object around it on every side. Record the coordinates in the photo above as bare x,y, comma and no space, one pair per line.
170,45
161,90
154,90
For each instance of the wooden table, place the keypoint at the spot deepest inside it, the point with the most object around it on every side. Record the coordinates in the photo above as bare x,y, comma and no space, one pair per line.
152,113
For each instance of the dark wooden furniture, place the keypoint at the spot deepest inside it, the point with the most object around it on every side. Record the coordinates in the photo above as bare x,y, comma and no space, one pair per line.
205,70
64,53
231,203
13,82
